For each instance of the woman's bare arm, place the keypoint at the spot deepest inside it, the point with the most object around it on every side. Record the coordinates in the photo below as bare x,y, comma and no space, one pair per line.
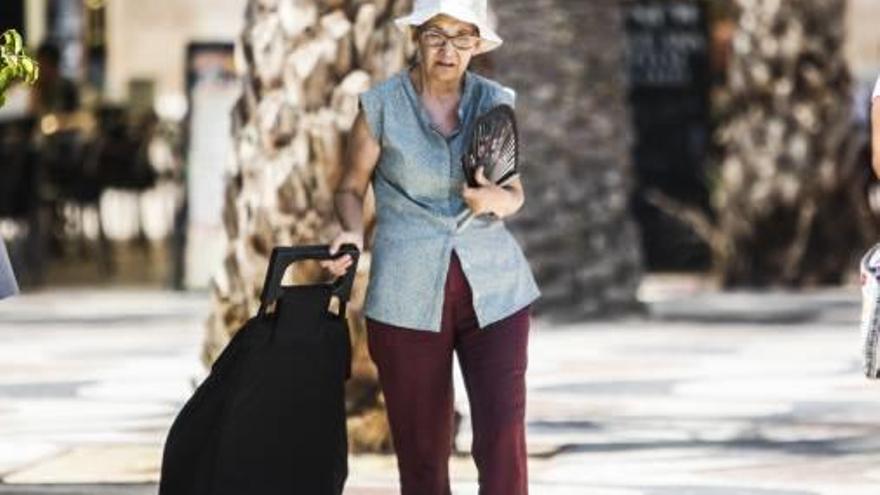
361,158
362,155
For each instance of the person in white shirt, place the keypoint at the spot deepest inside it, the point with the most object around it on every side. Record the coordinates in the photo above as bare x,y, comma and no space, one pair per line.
875,129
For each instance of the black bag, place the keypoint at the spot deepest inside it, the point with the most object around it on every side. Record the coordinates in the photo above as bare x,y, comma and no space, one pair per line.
270,417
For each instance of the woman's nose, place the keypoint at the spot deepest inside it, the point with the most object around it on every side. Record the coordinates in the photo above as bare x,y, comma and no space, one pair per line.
446,49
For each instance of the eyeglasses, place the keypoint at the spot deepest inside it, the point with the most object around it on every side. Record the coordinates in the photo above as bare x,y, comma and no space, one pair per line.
435,39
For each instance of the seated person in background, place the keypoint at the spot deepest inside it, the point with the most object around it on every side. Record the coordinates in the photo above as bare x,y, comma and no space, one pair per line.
52,93
55,100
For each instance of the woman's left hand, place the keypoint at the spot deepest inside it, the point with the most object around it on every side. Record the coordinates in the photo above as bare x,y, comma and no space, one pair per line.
487,197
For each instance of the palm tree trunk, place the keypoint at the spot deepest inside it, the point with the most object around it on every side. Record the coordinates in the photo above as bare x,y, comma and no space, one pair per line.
566,60
306,62
789,202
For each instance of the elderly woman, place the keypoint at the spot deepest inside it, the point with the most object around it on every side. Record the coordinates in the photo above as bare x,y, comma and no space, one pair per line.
435,288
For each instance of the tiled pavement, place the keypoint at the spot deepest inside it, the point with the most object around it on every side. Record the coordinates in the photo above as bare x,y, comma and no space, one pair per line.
714,394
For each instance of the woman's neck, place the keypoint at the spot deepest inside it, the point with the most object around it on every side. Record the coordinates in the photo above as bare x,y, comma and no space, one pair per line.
433,89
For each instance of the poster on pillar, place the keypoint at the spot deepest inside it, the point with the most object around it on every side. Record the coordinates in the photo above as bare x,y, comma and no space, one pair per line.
669,76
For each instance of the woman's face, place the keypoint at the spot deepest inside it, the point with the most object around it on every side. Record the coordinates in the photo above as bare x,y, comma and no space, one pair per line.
447,46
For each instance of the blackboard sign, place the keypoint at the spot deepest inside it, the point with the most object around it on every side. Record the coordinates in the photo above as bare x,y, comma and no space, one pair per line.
669,82
667,43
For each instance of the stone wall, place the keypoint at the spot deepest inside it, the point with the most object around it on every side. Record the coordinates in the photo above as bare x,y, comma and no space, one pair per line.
565,59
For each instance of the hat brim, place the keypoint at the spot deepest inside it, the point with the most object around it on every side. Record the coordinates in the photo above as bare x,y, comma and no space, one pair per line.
489,39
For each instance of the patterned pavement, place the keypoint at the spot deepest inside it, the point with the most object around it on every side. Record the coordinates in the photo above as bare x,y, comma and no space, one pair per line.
713,394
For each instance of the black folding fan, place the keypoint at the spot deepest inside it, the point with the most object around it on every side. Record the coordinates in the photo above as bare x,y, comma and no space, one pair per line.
495,147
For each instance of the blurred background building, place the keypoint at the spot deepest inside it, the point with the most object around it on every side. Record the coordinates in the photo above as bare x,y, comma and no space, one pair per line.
99,191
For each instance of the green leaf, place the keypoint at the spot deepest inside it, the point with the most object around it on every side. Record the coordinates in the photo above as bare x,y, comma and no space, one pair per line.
8,42
13,42
17,43
15,64
33,74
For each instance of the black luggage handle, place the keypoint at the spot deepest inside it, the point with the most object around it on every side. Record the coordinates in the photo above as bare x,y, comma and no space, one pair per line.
282,257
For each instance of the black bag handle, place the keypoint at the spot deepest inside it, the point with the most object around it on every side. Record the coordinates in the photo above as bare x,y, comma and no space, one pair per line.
282,257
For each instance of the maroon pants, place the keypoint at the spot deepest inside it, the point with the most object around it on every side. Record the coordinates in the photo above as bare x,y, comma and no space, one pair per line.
415,371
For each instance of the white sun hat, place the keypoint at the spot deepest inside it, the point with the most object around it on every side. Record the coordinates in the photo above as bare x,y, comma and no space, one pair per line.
474,12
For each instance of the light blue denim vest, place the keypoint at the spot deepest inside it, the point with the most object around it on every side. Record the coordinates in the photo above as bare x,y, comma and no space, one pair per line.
417,186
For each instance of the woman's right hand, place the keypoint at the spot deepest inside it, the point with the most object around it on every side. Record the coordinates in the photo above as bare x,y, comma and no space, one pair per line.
339,266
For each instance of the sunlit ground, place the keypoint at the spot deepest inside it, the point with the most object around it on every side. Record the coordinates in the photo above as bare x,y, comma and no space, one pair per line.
716,394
